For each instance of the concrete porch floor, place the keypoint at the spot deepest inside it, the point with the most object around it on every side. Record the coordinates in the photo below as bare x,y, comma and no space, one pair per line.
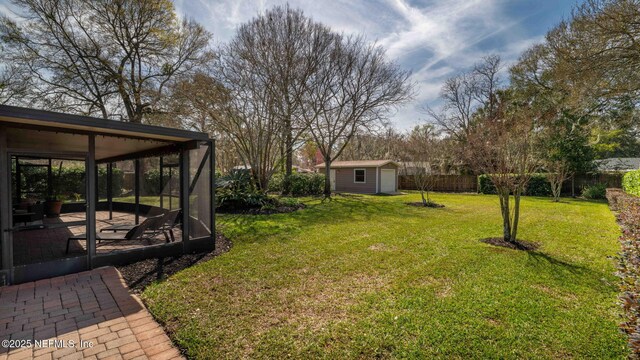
93,307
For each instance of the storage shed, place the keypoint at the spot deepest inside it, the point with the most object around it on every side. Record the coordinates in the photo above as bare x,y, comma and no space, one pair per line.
363,176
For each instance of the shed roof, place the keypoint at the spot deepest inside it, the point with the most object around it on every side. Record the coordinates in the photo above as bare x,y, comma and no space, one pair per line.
359,163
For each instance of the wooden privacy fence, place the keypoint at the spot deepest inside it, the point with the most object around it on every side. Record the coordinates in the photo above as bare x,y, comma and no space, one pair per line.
444,183
611,180
469,183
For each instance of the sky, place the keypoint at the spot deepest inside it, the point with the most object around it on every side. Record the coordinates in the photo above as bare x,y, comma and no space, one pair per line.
434,39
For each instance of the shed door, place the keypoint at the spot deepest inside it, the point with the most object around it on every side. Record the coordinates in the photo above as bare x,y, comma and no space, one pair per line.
388,181
332,179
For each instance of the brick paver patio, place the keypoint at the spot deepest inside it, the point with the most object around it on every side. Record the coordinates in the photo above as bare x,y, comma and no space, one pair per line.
92,309
42,245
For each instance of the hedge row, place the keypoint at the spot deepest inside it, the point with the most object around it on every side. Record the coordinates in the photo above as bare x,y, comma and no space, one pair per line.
538,185
629,263
631,182
67,182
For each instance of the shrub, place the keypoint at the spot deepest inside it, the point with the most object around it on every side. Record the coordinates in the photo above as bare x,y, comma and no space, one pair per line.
300,184
236,191
151,182
70,181
276,183
629,264
631,182
230,200
597,191
538,185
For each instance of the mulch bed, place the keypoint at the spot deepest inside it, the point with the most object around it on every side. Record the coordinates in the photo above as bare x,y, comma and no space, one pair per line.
142,273
519,245
263,211
420,204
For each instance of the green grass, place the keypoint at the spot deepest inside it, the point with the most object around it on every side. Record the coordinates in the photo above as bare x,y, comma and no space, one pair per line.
368,276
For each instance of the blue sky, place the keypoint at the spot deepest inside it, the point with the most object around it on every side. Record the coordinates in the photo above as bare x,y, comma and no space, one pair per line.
435,39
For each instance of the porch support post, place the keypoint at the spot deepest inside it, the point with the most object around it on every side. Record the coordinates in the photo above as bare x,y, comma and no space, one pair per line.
136,181
91,200
5,207
18,194
109,189
184,196
49,180
212,190
162,183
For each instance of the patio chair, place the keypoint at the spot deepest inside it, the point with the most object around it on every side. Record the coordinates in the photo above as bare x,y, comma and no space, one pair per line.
146,230
168,222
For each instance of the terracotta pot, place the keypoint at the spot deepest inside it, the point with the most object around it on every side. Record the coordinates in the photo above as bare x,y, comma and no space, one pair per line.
52,208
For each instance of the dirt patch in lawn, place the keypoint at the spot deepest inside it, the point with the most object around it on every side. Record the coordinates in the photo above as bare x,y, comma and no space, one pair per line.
518,245
429,204
142,273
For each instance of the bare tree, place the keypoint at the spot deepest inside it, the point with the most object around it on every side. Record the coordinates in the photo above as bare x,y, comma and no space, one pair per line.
387,143
282,49
353,90
102,57
502,147
248,120
423,160
466,94
13,84
268,67
557,172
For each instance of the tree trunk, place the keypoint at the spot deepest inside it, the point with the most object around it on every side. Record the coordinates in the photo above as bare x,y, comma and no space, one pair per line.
506,221
516,216
573,186
556,187
327,177
288,165
424,201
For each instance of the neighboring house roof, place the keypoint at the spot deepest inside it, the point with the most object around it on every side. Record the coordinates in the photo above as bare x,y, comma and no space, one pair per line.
359,163
618,164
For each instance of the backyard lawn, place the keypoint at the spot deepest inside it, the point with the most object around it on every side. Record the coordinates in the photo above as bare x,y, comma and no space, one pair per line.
368,276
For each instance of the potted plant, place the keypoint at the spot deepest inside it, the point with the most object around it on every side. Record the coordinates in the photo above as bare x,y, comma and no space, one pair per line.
53,205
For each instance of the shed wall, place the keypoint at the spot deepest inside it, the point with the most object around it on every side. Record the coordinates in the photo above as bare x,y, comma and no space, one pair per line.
344,181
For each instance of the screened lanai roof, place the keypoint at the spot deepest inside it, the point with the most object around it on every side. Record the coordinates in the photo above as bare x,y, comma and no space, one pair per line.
46,130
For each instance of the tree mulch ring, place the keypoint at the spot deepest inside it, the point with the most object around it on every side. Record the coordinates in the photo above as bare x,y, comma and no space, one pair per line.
282,209
429,204
518,245
141,274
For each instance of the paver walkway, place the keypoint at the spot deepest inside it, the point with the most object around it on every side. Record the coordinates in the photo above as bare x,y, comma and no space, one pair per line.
89,315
